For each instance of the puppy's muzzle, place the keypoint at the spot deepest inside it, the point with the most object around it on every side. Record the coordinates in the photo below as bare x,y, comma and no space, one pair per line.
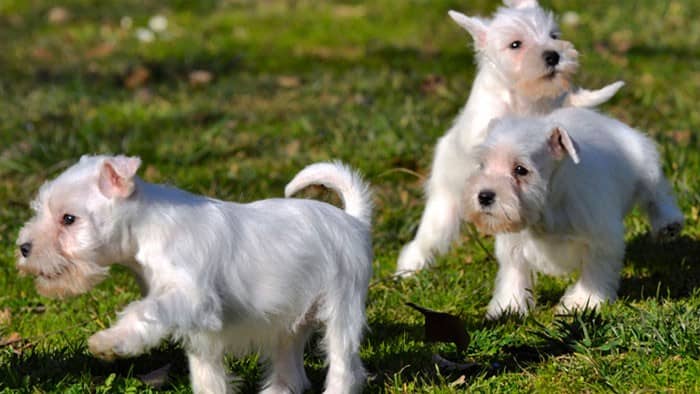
25,249
551,58
486,197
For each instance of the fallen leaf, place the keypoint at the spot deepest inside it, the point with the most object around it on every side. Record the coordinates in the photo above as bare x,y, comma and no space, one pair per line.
40,53
288,81
156,378
292,148
200,77
432,84
137,77
10,339
102,50
681,136
58,15
144,95
5,316
462,379
443,327
622,40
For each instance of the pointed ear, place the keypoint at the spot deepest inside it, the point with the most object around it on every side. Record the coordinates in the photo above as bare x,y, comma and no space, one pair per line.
520,3
560,144
477,27
117,176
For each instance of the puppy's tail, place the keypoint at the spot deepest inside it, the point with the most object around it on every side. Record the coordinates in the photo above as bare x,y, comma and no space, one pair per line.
353,190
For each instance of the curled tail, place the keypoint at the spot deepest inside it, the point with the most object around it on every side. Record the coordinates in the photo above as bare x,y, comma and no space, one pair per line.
353,190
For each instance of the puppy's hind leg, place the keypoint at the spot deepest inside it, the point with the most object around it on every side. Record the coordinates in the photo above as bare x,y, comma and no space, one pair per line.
345,322
287,375
665,216
207,371
440,222
600,276
658,201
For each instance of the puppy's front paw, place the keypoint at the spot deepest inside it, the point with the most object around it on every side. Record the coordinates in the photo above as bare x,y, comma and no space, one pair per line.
514,307
113,343
411,260
102,345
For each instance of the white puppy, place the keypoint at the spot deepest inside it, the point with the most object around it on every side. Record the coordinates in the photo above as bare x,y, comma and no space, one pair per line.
555,191
524,67
217,276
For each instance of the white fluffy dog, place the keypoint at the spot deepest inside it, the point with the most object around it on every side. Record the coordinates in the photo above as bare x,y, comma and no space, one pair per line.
524,67
555,191
217,276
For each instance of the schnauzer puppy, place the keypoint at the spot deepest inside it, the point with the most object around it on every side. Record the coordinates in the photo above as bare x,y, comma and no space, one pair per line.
555,190
524,67
217,276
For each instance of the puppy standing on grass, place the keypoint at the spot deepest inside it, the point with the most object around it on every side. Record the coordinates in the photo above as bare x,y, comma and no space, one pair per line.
218,276
524,67
555,191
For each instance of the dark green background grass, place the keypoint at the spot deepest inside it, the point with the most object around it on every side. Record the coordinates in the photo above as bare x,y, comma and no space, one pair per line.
374,84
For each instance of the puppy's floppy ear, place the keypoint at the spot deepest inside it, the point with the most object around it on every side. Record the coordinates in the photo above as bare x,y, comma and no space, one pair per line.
116,177
477,27
560,144
520,3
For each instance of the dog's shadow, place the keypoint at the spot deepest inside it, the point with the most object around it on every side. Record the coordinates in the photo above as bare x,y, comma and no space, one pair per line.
660,269
46,369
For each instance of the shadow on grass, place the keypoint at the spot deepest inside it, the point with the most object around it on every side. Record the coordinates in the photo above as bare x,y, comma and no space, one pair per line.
46,369
661,269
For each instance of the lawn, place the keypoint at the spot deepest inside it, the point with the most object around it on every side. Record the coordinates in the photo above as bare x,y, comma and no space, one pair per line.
233,97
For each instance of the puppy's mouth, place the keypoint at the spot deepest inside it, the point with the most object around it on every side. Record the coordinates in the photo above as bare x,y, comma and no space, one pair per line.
53,275
551,74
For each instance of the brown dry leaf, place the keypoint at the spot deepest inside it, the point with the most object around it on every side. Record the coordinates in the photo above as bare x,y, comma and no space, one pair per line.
292,148
151,172
349,11
622,40
10,339
102,50
681,136
288,81
40,53
5,316
156,378
459,381
58,15
443,327
200,77
137,77
432,84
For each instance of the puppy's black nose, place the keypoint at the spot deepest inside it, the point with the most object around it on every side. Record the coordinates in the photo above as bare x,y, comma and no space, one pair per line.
551,58
25,249
486,197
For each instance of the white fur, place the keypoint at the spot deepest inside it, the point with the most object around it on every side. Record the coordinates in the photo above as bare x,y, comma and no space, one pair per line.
584,172
508,82
218,276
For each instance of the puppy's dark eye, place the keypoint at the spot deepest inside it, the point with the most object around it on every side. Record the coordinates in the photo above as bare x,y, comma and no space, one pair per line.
520,171
516,44
68,219
555,35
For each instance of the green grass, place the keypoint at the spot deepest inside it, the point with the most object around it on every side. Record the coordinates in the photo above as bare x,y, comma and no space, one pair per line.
297,82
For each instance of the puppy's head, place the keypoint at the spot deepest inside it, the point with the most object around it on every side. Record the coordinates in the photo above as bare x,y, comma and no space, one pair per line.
523,44
75,232
508,191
